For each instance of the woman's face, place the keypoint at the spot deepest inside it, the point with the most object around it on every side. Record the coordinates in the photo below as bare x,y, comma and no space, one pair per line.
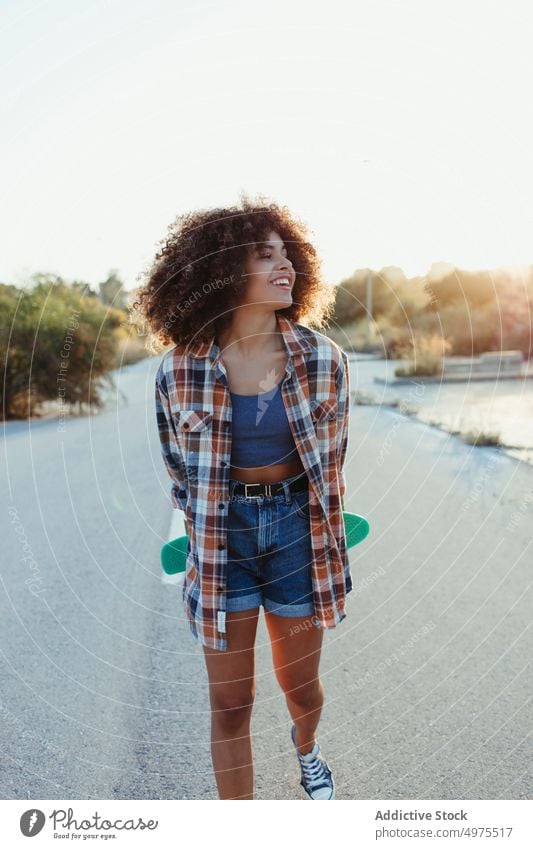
268,263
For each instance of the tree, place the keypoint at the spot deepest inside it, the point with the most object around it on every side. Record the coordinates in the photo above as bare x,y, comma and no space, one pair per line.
55,344
112,291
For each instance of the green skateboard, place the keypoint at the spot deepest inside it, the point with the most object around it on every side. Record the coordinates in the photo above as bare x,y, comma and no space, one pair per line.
174,553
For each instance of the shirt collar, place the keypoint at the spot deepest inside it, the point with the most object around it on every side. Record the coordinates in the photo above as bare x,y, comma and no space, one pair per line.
295,341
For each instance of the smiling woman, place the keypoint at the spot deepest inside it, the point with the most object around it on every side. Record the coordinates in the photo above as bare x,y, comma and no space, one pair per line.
252,412
199,275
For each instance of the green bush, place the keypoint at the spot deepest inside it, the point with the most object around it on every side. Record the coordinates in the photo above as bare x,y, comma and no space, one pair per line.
424,354
57,342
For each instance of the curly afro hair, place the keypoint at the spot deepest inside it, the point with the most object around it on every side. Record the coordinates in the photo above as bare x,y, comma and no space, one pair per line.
196,278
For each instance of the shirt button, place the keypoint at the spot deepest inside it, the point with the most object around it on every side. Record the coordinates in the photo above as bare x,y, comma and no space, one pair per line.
221,546
223,463
185,424
220,506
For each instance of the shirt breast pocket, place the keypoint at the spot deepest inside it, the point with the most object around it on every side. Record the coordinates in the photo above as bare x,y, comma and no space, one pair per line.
192,421
194,429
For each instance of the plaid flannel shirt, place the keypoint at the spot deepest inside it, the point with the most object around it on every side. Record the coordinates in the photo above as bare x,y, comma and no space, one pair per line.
193,407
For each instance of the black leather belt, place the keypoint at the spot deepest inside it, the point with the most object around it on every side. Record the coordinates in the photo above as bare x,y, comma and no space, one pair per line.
252,489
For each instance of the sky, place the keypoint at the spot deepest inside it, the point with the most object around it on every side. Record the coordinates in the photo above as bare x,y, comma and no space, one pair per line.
400,132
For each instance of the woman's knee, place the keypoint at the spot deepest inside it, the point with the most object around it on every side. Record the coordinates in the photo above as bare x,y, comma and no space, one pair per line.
232,707
309,694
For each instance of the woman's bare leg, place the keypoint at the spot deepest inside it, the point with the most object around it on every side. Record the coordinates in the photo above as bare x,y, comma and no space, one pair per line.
296,648
231,676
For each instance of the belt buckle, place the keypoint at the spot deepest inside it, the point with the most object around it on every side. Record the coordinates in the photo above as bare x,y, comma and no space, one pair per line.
246,485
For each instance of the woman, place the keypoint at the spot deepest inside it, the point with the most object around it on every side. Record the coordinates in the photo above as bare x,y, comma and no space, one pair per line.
252,410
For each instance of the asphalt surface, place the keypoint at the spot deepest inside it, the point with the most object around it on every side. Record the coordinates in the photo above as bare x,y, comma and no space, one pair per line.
104,692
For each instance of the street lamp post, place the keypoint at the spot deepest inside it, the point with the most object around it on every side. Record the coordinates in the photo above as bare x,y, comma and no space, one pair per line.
369,309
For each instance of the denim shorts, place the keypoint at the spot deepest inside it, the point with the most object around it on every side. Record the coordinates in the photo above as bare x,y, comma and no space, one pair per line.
269,552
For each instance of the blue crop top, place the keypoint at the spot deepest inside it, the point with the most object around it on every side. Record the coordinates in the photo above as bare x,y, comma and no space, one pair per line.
261,434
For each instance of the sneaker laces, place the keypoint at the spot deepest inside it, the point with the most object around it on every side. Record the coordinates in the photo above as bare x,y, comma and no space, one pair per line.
314,772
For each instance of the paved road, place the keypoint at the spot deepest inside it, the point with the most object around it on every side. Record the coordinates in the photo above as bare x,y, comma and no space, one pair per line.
104,693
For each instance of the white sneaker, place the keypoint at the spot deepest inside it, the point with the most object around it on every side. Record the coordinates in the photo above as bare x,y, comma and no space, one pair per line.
317,780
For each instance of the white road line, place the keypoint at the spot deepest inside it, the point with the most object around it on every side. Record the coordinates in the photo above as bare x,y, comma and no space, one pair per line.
177,529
